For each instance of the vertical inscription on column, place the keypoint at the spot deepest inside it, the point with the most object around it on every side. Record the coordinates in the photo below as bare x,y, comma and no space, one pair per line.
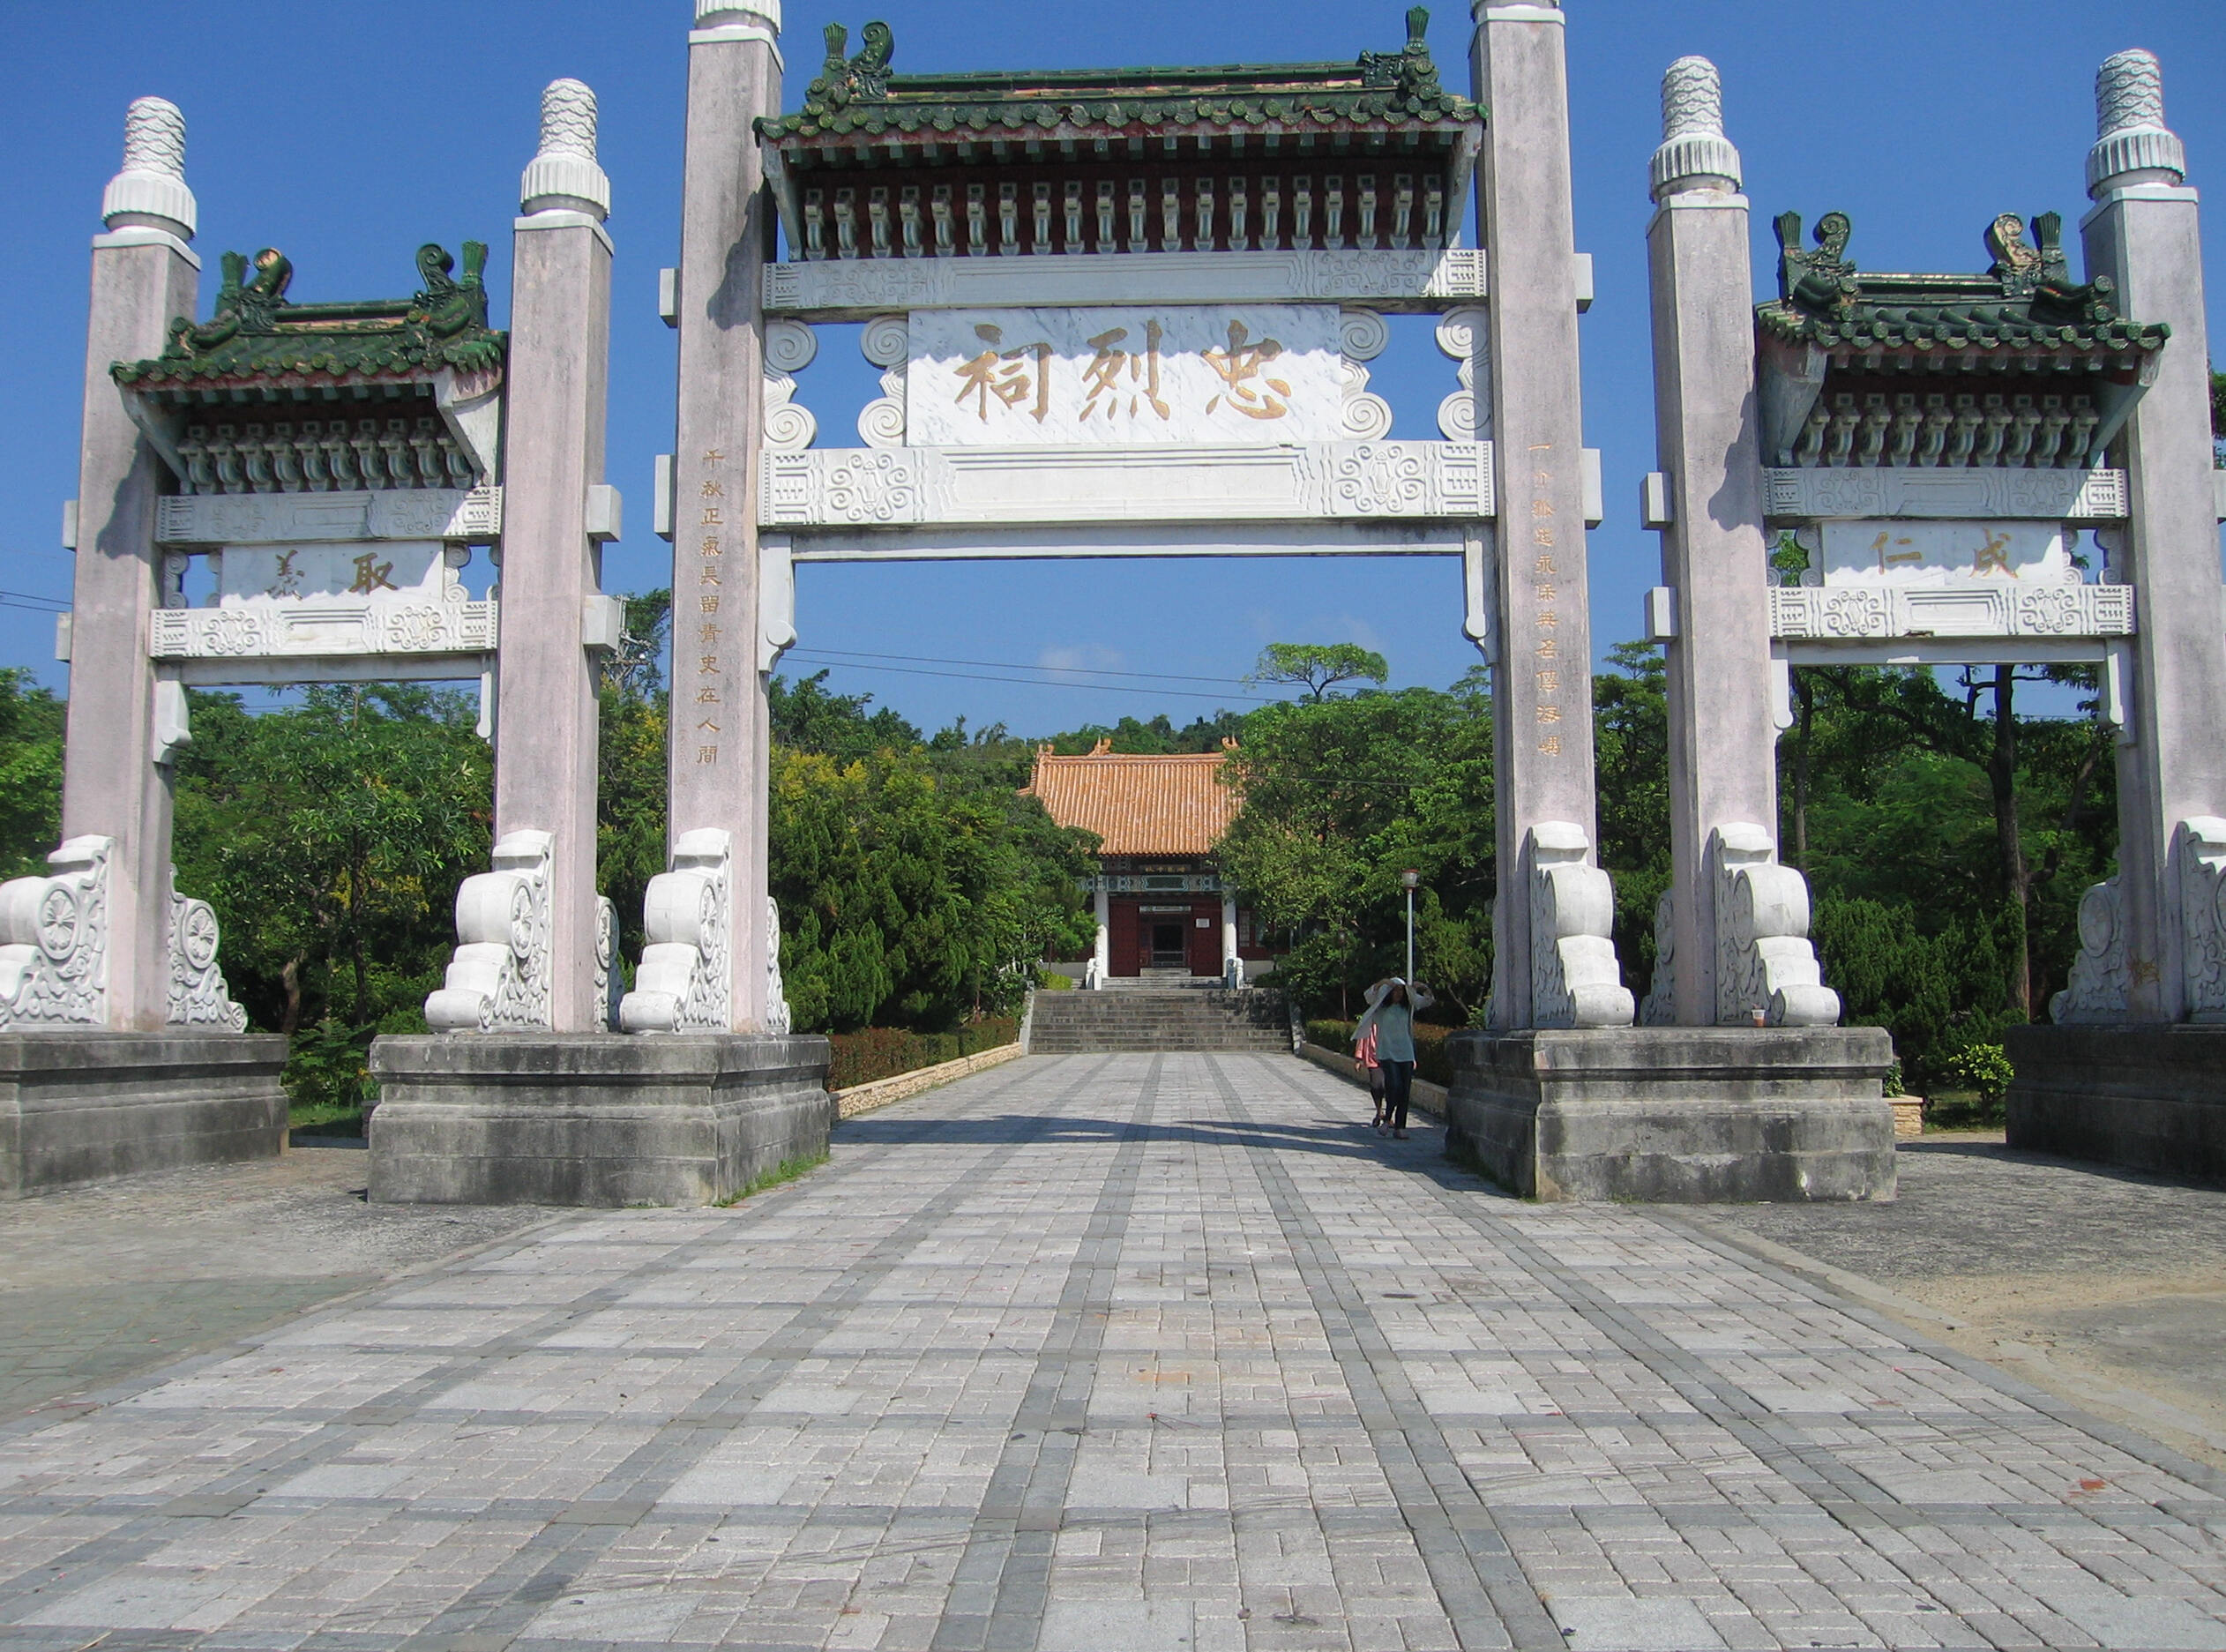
721,487
1545,574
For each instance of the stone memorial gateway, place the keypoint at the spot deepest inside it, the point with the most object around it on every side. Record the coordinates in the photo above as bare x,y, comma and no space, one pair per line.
1130,314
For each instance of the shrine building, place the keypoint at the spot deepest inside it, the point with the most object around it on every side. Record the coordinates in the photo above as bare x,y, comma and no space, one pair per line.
1164,911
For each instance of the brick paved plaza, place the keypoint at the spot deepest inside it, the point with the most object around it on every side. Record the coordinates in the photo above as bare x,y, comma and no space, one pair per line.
1102,1352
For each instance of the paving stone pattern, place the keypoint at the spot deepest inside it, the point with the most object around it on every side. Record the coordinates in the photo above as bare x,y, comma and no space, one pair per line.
1098,1353
100,1282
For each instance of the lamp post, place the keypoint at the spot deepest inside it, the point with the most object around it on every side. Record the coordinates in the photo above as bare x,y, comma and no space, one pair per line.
1410,878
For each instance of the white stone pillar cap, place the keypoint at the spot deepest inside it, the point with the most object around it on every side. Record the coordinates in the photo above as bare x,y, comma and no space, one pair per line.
710,14
2129,123
150,192
1694,149
564,177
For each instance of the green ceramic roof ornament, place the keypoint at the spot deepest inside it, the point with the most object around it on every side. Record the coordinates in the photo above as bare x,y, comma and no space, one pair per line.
2025,303
259,335
858,97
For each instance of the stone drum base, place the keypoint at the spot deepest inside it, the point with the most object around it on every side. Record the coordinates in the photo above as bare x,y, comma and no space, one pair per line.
2148,1098
1676,1115
546,1118
84,1106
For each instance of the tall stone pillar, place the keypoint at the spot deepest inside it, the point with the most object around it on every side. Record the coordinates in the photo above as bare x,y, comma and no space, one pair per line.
1554,964
718,754
2144,235
1101,949
116,783
1724,794
546,731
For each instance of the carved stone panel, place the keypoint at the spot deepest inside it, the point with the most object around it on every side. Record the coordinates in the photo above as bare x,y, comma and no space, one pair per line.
2099,990
455,515
1574,978
686,979
1871,613
499,979
917,487
2200,858
2049,495
199,995
54,941
850,288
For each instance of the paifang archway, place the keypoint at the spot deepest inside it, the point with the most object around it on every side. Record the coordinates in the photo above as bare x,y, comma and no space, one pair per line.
1129,314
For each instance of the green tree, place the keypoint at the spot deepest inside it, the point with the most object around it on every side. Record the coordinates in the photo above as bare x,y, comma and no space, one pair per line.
30,774
1340,796
906,899
331,837
1318,667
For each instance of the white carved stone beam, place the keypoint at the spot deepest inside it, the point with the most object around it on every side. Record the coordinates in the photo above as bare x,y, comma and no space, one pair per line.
859,290
919,487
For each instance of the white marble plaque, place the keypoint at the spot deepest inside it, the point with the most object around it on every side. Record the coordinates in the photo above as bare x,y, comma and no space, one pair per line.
1237,376
275,577
1905,553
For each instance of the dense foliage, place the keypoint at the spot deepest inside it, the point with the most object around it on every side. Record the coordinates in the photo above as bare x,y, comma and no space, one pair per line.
1947,832
1947,837
1341,796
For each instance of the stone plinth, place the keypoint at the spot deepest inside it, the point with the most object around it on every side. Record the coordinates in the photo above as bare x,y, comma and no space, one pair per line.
86,1107
1678,1115
544,1119
2149,1098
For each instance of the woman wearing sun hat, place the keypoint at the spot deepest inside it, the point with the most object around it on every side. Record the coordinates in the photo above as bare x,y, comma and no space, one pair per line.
1390,1023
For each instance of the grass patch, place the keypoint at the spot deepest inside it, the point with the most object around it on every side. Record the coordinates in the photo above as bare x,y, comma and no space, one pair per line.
787,1171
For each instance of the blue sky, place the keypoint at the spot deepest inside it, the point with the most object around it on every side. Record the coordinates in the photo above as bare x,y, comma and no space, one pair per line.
348,134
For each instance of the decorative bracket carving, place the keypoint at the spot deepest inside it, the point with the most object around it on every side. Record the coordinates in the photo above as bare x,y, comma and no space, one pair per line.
1466,414
610,981
499,979
54,941
199,995
2199,854
686,979
778,1020
1574,978
2097,992
1766,972
1660,1007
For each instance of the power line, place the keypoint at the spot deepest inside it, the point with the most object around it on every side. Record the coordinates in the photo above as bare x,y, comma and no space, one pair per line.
1022,682
36,604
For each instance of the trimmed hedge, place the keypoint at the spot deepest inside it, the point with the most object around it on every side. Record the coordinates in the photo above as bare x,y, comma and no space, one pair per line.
883,1052
1432,1061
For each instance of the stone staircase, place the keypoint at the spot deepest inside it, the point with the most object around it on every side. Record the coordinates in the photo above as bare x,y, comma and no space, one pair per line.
1131,1018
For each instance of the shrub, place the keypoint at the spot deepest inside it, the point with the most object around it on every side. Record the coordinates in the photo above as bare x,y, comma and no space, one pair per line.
883,1052
1982,1068
1052,981
1433,1062
328,1071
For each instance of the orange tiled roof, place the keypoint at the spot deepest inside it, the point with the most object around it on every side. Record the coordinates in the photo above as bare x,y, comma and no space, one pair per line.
1140,805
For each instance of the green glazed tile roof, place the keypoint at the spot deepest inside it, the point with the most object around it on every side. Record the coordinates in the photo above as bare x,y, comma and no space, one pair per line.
2027,305
257,336
858,98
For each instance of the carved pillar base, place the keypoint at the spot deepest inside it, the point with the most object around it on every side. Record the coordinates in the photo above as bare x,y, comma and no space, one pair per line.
686,979
1574,978
1676,1116
1766,972
2149,1098
499,980
593,1120
90,1106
